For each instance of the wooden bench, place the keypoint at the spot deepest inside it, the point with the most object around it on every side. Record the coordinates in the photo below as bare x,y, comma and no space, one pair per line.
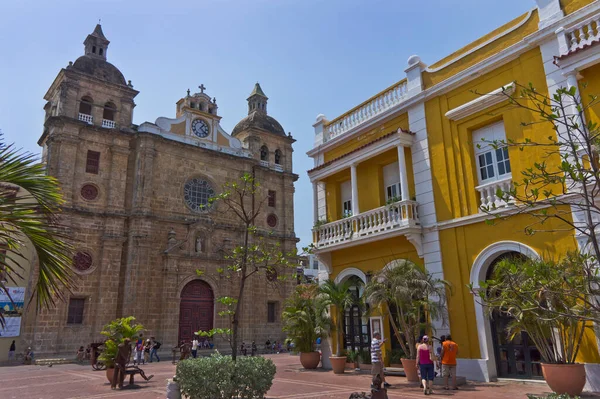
131,371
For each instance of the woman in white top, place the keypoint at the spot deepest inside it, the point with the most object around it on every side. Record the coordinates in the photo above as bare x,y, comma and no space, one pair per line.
195,347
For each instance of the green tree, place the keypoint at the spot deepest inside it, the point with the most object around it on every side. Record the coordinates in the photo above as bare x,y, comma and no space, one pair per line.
32,218
339,296
563,183
412,297
259,254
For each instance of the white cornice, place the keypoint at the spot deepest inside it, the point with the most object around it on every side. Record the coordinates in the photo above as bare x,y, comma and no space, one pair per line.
482,102
465,76
386,144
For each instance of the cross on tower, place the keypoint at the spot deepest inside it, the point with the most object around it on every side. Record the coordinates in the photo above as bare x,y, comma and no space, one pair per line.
202,88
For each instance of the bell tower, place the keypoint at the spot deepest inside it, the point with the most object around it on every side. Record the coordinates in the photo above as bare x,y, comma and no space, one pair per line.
96,44
257,100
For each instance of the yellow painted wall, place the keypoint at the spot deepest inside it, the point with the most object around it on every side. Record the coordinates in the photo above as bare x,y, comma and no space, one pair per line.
371,190
529,27
570,6
450,142
589,85
400,121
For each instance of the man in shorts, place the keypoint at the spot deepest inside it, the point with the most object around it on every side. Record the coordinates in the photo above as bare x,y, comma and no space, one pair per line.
449,352
376,359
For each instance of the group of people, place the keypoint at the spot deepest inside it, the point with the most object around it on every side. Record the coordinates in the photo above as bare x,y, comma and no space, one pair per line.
427,358
145,351
12,354
275,346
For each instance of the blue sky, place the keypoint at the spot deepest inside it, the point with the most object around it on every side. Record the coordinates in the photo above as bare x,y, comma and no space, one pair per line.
310,56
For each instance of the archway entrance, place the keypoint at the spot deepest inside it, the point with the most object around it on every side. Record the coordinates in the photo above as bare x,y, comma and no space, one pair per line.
196,311
516,357
357,334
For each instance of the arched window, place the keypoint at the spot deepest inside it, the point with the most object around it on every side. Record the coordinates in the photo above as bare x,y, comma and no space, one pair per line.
109,111
277,157
85,106
264,153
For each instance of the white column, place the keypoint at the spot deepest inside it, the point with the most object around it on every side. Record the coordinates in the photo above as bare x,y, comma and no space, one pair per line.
403,175
572,82
316,201
354,183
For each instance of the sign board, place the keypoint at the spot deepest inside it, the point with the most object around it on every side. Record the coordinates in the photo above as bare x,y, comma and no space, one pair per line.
12,310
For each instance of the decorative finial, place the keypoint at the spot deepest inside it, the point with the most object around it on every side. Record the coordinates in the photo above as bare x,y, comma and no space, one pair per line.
215,100
70,64
188,91
129,83
202,88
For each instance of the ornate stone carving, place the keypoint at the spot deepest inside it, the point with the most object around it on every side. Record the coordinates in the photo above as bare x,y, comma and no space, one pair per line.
89,192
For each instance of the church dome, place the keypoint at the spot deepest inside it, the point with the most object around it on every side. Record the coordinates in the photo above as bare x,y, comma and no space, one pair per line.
100,69
261,121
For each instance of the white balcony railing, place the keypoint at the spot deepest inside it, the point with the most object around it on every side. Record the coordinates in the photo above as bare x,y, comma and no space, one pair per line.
373,107
108,123
396,216
278,168
89,119
488,194
584,33
264,163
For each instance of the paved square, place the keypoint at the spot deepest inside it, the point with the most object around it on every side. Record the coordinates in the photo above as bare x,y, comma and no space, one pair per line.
70,381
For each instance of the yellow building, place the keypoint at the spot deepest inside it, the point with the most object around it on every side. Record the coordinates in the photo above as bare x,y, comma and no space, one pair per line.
399,176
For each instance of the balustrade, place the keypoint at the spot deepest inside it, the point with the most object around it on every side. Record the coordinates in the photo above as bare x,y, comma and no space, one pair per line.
584,33
395,95
108,123
89,119
264,163
488,194
390,217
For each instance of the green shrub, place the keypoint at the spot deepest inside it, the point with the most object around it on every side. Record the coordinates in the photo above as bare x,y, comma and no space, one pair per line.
218,377
396,355
365,356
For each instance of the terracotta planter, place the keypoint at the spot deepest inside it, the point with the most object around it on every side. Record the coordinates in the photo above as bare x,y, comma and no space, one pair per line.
365,366
338,363
310,360
110,372
410,369
349,366
565,378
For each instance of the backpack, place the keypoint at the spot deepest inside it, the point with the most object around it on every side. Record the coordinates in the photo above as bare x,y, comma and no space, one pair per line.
157,345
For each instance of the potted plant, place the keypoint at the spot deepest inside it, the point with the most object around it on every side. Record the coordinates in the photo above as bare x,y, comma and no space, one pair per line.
304,322
412,298
339,297
364,360
352,359
550,301
116,332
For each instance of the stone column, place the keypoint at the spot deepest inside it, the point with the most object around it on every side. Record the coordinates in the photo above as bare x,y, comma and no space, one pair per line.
354,182
403,173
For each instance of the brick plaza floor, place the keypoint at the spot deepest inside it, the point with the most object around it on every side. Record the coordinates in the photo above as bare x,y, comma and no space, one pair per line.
71,381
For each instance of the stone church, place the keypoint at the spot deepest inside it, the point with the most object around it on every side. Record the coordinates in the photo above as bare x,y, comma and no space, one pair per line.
136,203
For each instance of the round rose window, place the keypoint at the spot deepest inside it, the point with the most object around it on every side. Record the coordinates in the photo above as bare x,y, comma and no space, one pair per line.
89,192
196,193
272,220
82,261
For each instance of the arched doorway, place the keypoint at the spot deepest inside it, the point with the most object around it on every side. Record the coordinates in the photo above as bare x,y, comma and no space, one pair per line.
357,334
196,310
517,356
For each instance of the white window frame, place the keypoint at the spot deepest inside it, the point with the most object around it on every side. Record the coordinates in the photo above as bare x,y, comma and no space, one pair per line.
346,194
389,191
483,139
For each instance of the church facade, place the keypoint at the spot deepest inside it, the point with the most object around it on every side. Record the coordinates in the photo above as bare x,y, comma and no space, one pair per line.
136,204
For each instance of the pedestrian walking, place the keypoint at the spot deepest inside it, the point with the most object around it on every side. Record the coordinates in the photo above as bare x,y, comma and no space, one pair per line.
448,356
11,352
253,348
195,347
377,360
147,348
425,361
155,346
138,352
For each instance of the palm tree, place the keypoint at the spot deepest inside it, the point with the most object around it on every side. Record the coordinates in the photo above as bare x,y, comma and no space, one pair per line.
339,296
416,297
31,219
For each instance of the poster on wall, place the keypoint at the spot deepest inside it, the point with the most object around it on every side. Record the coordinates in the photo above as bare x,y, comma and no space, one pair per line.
12,310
